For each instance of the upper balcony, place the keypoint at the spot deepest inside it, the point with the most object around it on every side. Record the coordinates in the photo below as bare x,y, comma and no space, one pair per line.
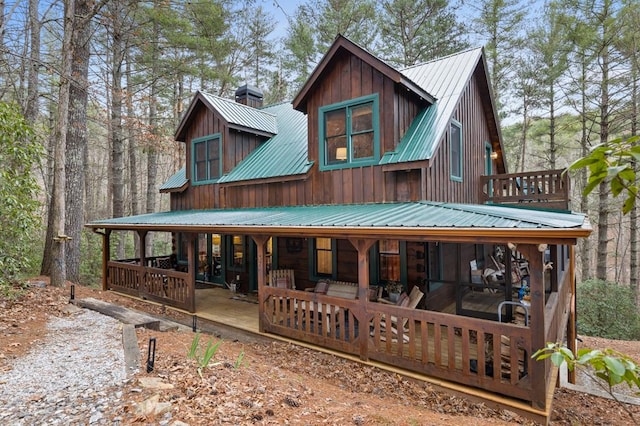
547,189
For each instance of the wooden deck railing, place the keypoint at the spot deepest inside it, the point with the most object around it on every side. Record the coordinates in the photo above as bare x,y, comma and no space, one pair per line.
544,189
165,286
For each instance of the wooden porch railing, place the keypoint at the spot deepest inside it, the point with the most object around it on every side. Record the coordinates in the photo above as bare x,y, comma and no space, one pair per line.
544,189
474,352
165,286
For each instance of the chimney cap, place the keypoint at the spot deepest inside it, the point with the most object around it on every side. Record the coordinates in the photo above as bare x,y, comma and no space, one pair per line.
249,90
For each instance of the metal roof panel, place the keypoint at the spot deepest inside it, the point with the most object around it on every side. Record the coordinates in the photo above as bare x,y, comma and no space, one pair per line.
285,154
243,115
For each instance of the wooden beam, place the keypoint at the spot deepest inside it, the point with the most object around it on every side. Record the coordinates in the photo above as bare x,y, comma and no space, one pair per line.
363,247
261,243
193,266
572,333
105,258
535,255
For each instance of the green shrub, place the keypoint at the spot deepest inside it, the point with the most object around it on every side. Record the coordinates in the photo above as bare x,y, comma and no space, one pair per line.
19,193
608,310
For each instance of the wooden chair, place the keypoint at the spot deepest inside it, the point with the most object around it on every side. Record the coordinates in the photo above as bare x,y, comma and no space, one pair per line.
282,278
410,302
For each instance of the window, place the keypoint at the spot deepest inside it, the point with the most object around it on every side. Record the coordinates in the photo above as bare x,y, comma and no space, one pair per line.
236,252
206,159
323,257
389,262
349,133
455,135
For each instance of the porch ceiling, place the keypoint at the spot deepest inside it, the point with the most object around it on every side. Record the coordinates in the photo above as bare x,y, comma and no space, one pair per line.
420,220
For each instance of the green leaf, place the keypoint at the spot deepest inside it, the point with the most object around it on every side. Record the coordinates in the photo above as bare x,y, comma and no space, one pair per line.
557,358
614,365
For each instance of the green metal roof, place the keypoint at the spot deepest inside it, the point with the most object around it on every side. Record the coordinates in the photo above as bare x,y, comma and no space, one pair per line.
178,180
445,79
243,115
285,154
417,218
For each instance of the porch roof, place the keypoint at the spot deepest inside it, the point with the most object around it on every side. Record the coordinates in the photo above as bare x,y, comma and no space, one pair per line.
409,220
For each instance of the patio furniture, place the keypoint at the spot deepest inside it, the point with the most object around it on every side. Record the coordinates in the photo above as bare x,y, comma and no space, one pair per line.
282,278
341,289
410,301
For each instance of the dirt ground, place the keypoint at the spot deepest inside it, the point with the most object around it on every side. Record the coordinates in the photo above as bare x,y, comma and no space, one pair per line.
259,381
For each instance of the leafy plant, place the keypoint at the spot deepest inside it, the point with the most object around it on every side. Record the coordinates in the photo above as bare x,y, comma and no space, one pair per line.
611,367
19,221
607,310
616,161
394,286
238,362
203,358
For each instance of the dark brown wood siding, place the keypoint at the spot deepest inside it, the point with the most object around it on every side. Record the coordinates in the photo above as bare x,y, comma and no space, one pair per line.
475,132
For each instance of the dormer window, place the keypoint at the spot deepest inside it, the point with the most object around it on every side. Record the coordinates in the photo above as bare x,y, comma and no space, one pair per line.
206,159
349,133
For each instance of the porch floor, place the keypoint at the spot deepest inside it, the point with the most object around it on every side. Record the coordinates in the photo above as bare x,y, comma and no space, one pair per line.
220,305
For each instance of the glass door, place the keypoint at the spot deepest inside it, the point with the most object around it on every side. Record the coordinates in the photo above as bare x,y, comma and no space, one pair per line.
210,264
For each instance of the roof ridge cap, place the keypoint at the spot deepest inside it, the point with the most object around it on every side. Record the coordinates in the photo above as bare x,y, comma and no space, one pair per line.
231,101
462,52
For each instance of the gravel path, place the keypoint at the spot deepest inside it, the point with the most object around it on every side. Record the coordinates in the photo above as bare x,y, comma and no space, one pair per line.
73,377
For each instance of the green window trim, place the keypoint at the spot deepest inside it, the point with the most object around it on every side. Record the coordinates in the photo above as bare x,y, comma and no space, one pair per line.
455,151
210,172
346,138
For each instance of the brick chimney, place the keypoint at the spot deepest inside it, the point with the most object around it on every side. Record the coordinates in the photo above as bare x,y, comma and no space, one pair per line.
249,95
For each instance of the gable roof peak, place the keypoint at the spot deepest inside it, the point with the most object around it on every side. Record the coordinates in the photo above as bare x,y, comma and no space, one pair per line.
341,43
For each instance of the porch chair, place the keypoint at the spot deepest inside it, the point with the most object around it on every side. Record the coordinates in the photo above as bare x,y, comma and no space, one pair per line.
282,278
411,302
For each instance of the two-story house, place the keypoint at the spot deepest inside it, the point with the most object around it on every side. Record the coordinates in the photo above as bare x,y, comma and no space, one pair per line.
372,176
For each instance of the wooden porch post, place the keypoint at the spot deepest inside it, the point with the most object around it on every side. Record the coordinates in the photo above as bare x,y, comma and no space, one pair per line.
572,333
143,249
535,255
261,243
193,266
363,247
106,248
142,276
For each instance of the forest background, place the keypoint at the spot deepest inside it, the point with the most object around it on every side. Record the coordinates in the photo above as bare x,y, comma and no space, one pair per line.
92,92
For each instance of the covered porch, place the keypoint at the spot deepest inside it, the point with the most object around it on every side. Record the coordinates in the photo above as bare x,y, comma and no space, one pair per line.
457,344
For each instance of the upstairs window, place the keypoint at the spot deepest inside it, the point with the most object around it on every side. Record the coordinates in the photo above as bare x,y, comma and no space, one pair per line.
206,159
349,133
455,135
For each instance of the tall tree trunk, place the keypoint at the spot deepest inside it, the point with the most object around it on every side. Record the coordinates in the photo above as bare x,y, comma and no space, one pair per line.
603,198
117,143
634,280
552,127
152,156
131,152
585,249
31,107
77,140
59,270
525,129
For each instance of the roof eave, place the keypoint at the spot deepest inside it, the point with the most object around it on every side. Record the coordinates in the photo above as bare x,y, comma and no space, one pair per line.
518,236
